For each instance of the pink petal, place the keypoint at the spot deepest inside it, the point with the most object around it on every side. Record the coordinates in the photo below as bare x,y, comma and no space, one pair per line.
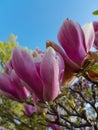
61,67
50,74
71,37
8,87
28,109
96,40
23,93
25,68
95,25
73,66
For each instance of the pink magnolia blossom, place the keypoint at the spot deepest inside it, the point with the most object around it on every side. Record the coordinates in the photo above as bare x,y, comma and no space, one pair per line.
42,72
76,42
11,85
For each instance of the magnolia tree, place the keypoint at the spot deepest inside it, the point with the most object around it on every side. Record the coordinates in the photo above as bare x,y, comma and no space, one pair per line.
56,89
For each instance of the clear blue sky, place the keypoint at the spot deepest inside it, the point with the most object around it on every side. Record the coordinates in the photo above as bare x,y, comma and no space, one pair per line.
35,21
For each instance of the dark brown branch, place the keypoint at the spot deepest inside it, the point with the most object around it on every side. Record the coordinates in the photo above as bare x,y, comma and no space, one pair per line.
87,101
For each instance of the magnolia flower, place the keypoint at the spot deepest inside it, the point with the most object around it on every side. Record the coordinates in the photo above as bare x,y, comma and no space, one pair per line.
11,86
76,41
42,72
95,24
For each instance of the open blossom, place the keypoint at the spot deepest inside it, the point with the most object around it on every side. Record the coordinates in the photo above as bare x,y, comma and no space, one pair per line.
95,24
11,86
42,72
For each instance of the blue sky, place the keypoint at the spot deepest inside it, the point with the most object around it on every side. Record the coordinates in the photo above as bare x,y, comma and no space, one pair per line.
35,21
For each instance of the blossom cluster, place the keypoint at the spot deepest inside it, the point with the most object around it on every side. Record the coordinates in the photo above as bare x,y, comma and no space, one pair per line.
39,74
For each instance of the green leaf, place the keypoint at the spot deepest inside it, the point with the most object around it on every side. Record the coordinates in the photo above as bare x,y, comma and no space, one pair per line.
95,12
